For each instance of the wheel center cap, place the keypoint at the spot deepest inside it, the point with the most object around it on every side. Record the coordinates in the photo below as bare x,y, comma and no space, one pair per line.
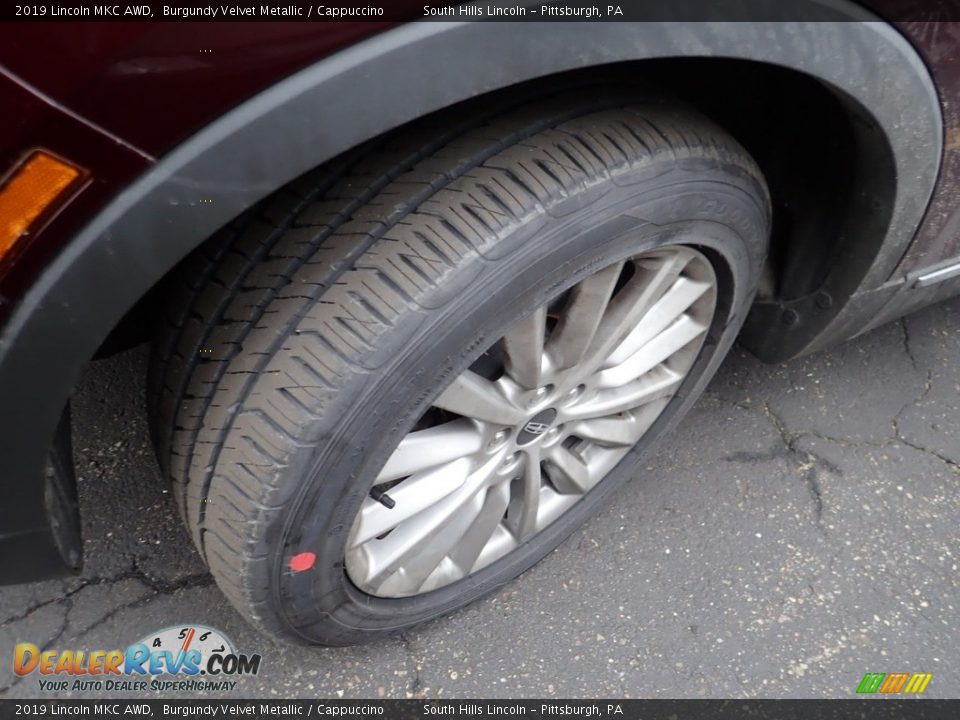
536,426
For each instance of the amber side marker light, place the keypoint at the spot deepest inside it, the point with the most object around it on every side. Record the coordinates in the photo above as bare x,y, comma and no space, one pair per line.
27,195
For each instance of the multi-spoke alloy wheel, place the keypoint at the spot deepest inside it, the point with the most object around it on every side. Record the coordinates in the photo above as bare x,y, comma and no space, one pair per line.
539,420
421,367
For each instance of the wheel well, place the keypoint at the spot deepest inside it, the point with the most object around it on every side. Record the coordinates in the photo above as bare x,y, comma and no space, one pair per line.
806,139
828,165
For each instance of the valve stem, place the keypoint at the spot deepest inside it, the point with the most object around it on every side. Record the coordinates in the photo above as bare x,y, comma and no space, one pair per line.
381,497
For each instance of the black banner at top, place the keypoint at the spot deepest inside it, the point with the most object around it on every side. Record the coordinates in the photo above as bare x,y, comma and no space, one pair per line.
494,11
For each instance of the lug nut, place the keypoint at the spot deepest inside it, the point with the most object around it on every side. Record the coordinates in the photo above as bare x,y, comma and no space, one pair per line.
540,393
498,439
552,435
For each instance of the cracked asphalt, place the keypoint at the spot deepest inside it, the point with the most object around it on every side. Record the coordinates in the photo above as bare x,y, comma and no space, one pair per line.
799,529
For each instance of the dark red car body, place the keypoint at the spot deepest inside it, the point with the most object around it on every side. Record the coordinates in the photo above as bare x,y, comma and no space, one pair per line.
130,102
114,97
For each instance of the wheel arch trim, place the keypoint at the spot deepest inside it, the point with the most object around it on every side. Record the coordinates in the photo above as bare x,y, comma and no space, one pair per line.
320,111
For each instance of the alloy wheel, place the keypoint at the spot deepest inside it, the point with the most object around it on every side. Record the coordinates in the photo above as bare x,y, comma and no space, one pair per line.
541,418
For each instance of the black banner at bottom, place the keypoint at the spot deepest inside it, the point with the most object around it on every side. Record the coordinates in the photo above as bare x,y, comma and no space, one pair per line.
487,709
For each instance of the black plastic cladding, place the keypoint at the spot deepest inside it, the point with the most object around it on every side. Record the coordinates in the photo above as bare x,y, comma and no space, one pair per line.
263,144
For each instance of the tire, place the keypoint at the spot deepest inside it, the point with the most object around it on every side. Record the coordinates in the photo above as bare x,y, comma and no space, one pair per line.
305,343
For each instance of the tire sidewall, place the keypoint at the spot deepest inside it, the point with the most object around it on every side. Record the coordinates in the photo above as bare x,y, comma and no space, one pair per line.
716,207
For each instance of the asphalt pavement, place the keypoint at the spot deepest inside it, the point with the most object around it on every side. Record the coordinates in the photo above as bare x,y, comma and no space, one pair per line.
798,530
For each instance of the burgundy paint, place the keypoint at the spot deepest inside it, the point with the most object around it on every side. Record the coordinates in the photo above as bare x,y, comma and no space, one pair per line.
147,85
155,84
27,123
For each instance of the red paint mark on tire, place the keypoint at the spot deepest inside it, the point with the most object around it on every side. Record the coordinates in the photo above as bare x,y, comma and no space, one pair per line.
302,561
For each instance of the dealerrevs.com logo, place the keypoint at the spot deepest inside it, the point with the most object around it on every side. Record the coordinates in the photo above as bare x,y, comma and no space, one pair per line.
198,658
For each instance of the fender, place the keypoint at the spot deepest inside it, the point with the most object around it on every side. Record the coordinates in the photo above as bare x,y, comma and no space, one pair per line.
355,95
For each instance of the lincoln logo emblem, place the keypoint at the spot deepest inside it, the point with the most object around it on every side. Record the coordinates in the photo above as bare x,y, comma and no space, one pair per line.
535,428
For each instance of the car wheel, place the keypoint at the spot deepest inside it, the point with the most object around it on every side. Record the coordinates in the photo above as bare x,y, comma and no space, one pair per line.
410,375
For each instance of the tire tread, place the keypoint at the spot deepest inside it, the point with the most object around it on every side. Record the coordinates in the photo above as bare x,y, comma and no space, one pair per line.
266,323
